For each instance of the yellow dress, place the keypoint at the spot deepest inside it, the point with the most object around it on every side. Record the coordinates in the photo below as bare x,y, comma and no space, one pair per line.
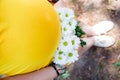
29,35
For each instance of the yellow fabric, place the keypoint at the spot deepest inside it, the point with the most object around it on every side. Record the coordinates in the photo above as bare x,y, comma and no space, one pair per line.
29,35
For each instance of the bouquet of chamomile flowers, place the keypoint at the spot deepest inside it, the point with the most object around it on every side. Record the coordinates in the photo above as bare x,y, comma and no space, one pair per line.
67,51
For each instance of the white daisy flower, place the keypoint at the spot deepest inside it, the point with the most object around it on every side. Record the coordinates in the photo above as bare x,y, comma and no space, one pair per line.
65,13
59,52
66,31
68,14
66,44
72,56
73,32
75,42
67,51
60,12
60,59
71,24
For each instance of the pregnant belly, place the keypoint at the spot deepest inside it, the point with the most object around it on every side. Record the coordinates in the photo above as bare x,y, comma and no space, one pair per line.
29,35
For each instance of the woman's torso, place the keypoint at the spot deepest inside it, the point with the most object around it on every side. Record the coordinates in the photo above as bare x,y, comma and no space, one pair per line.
29,35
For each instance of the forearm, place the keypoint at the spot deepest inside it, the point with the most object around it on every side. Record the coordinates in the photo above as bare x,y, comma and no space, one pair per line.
47,73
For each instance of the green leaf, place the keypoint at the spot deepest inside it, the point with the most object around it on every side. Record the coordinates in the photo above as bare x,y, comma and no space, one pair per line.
117,64
83,43
78,31
65,75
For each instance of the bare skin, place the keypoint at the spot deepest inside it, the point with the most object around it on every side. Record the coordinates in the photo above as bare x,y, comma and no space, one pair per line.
37,75
49,73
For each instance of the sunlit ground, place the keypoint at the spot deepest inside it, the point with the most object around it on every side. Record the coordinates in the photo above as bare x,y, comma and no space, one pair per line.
98,63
